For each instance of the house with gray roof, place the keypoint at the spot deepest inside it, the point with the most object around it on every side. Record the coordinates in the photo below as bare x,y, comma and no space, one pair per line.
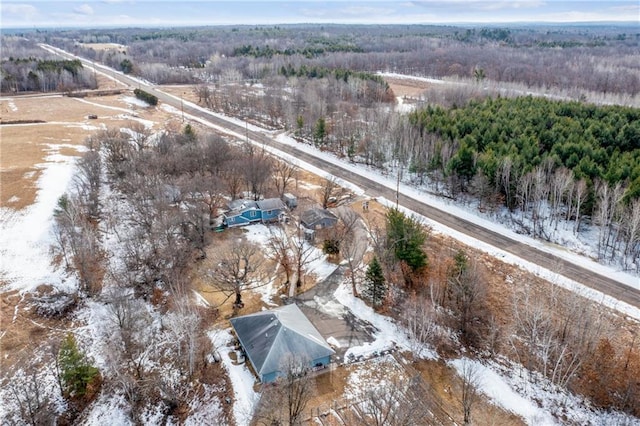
267,337
318,218
244,212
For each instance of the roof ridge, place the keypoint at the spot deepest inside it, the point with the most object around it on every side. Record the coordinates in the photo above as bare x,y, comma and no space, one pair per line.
314,339
270,351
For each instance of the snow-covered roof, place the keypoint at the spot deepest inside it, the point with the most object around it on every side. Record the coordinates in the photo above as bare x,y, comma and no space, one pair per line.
241,204
268,336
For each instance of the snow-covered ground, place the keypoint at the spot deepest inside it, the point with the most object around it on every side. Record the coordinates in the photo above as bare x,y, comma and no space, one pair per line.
241,378
26,235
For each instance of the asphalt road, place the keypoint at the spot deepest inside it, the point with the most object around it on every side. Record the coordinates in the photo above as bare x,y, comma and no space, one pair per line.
545,260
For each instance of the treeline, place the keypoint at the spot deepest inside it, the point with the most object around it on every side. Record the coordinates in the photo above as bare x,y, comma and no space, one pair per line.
593,142
554,166
307,52
33,74
598,59
322,72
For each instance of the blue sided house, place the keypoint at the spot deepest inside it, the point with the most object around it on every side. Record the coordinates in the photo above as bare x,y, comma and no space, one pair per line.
267,337
245,212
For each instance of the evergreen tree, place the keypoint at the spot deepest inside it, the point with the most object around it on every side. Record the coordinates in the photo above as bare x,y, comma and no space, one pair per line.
299,126
320,131
405,236
375,286
75,371
190,133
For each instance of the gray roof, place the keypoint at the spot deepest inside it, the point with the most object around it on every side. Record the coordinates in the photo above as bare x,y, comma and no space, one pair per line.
268,336
312,216
270,204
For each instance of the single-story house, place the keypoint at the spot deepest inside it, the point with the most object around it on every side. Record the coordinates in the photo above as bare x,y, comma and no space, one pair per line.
267,337
318,218
244,212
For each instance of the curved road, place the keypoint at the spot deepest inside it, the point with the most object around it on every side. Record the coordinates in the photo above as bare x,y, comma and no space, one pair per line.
546,260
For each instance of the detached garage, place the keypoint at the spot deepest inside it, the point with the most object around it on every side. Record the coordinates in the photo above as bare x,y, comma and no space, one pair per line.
268,336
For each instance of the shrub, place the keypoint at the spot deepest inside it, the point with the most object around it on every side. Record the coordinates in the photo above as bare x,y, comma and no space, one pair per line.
147,97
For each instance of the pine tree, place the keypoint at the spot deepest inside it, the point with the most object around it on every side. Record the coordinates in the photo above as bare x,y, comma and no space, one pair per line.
375,286
406,237
75,371
320,131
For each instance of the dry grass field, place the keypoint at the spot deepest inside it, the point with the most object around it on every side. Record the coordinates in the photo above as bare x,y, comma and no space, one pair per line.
36,126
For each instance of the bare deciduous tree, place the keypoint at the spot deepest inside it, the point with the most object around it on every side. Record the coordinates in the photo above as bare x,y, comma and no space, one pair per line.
353,243
31,398
283,174
284,402
470,380
236,269
328,191
280,251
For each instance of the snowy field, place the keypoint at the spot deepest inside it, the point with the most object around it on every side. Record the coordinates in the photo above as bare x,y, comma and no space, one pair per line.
27,235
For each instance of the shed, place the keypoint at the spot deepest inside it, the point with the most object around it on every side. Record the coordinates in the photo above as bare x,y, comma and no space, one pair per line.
318,218
290,200
268,336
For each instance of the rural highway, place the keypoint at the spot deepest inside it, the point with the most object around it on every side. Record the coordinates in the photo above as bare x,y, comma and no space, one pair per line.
531,254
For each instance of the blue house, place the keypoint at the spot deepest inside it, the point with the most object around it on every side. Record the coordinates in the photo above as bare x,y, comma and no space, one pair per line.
267,337
245,212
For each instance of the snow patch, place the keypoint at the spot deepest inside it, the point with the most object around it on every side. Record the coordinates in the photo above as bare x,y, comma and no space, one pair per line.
333,342
388,335
241,378
493,385
130,100
109,409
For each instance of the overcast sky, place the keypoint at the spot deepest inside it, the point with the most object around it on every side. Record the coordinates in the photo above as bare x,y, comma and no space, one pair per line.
110,13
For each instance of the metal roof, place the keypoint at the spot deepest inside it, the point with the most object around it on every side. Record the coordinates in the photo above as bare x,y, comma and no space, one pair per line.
268,336
311,217
270,204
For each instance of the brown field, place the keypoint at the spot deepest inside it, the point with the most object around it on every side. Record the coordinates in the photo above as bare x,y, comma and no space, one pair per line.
405,87
66,126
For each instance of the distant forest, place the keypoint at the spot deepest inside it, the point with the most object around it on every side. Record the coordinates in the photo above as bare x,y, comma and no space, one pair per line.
587,58
542,120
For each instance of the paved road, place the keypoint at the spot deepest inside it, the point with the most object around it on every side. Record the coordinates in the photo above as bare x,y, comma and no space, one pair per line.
548,261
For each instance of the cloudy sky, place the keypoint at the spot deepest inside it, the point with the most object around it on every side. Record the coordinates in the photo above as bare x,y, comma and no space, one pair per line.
110,13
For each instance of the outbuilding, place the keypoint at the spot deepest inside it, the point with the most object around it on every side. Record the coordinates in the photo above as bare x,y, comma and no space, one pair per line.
318,219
